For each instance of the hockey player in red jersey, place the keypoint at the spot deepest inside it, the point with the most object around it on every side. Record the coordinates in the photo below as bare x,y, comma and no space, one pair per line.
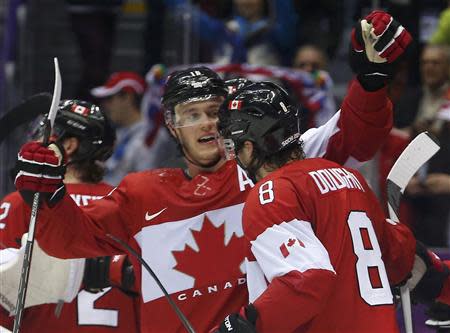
187,223
321,255
87,140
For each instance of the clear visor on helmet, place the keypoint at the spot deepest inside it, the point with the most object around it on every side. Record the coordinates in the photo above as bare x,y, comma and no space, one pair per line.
195,111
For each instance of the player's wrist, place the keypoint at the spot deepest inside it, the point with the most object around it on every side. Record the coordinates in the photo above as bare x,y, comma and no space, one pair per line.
372,83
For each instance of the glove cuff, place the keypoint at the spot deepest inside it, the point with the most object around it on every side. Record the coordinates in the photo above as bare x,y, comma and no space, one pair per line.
372,82
433,281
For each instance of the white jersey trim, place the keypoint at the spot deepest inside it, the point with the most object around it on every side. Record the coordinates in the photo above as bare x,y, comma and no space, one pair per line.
315,140
289,246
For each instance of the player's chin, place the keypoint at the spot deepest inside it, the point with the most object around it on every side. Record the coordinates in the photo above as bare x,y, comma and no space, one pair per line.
209,155
210,148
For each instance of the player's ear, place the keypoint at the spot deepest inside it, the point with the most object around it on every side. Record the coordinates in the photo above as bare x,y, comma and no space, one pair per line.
71,145
172,130
247,151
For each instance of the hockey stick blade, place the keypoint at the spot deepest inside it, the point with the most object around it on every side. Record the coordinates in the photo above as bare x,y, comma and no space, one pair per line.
24,113
416,154
56,94
50,121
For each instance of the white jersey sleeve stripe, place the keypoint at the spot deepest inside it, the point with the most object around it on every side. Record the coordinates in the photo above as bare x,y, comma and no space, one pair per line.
289,246
256,282
315,140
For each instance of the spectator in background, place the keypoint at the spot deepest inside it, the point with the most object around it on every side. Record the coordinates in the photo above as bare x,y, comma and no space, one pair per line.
310,58
429,192
121,97
417,108
94,25
260,32
313,60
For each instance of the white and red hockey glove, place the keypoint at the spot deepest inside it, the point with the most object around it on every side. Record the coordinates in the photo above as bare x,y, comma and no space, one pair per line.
242,322
40,169
377,43
429,275
104,272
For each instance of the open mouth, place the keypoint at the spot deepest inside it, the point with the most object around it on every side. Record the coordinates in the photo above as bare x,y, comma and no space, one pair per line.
207,139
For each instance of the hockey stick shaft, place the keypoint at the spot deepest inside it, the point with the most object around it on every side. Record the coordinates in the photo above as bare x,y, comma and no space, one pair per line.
405,298
174,306
415,155
26,266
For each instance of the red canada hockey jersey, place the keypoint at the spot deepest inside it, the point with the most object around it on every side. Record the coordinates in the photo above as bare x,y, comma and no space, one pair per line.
321,253
107,311
190,230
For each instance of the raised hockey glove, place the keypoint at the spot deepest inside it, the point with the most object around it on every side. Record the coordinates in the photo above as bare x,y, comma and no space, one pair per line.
439,316
428,276
103,272
377,43
40,169
242,322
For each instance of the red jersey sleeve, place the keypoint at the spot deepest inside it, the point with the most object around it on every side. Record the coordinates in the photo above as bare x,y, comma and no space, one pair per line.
356,132
288,256
69,231
14,218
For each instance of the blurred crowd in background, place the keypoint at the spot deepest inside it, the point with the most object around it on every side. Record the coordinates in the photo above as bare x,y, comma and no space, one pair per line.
121,52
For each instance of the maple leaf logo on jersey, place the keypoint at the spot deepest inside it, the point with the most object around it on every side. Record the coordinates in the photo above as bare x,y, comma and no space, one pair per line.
213,257
284,248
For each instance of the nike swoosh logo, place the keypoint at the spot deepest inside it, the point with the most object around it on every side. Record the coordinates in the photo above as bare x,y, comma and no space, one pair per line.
151,217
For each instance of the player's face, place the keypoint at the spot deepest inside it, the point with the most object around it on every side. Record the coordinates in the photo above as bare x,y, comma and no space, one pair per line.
117,109
434,67
195,126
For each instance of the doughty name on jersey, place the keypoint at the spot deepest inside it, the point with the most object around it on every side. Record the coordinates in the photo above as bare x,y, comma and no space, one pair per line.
334,179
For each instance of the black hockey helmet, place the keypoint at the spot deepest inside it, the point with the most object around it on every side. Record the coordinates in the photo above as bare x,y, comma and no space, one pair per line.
262,113
88,123
233,85
190,85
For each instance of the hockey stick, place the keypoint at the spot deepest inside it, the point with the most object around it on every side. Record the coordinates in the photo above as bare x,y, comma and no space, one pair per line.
48,125
416,154
23,113
174,306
